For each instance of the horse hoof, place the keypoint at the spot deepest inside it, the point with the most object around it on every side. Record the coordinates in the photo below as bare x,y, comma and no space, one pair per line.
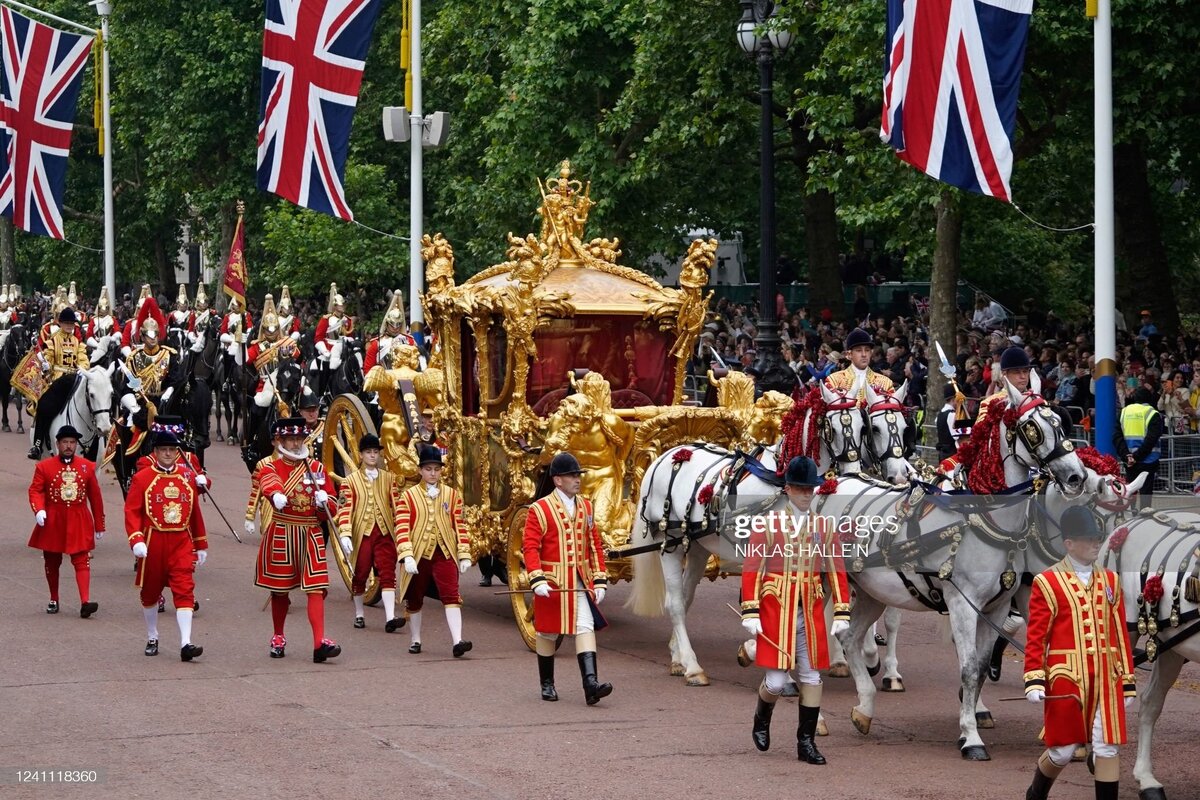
677,670
975,752
220,438
743,658
983,719
699,679
873,671
892,685
7,429
1153,793
839,671
862,723
822,728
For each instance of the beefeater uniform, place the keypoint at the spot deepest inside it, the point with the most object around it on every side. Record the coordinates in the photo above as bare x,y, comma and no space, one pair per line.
189,466
431,530
567,552
160,511
67,490
1078,649
369,513
292,552
782,586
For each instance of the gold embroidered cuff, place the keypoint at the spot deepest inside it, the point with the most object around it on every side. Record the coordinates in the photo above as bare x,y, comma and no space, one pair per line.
136,535
537,577
841,608
600,580
1130,688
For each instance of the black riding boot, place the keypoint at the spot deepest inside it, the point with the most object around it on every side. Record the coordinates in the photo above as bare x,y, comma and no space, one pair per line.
761,732
592,689
546,673
35,452
1039,789
806,746
1107,790
997,662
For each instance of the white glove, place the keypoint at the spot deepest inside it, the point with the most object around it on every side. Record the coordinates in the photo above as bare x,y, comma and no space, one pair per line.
542,589
1035,695
321,496
125,351
347,545
129,403
40,518
464,564
166,395
600,590
99,535
753,626
410,565
139,550
1128,702
226,338
202,481
201,557
294,336
249,527
279,500
197,344
839,625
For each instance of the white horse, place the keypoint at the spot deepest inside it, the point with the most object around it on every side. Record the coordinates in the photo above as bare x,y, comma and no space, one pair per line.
961,560
89,409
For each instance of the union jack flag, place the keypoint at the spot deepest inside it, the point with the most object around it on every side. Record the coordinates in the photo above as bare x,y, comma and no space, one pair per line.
39,88
951,78
312,68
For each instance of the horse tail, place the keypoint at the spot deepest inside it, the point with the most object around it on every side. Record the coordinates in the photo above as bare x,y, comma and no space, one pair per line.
649,585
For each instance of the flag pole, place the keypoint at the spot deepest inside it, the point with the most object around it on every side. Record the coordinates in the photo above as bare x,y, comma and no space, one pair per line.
1105,281
416,268
110,236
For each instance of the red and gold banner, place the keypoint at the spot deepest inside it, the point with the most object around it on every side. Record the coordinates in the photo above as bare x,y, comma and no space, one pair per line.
234,283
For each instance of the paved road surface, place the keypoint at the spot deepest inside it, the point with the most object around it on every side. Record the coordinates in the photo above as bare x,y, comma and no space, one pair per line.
79,694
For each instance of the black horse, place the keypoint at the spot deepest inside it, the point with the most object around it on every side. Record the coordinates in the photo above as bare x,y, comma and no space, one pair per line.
15,347
288,382
348,377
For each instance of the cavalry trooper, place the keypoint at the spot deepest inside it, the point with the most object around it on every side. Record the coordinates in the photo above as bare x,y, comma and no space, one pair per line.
157,368
431,539
8,315
368,517
265,354
1078,660
181,317
235,328
130,334
332,326
103,329
59,358
782,605
167,536
57,303
391,334
289,320
201,320
68,512
291,554
565,559
1136,441
859,347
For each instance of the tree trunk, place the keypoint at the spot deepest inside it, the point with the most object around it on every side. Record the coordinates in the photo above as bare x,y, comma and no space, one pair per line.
164,265
228,223
8,252
821,244
1145,281
943,295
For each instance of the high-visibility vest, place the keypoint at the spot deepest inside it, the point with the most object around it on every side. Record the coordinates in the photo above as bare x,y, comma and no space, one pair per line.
1135,419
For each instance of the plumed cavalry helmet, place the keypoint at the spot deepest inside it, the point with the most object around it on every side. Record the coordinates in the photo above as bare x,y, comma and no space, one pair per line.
150,320
308,399
1014,358
270,319
72,296
393,319
103,305
285,301
336,301
181,302
3,297
201,298
144,296
59,302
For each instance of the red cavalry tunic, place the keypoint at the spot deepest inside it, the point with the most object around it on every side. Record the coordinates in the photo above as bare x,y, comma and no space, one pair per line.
1077,648
782,579
65,490
291,554
160,511
565,551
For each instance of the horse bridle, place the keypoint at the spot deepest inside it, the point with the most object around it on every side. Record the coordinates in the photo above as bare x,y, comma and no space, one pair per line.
850,449
1030,434
895,443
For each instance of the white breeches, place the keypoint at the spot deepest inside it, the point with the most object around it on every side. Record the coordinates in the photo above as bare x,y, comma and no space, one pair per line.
1062,754
776,679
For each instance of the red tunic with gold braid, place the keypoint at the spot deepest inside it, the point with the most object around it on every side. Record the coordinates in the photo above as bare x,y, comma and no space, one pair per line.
189,465
1077,648
782,579
160,511
291,554
65,490
567,552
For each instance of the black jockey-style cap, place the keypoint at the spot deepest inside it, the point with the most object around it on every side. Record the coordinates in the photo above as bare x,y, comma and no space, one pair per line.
67,315
1079,523
948,391
1014,358
369,442
802,471
565,464
857,338
428,454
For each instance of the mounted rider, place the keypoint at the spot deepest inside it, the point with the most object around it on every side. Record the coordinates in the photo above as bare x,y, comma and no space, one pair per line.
103,329
391,333
265,354
157,368
57,304
56,360
201,320
859,346
332,327
129,336
181,318
289,320
235,327
7,315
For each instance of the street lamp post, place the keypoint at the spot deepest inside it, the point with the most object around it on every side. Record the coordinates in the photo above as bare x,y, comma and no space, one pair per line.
761,33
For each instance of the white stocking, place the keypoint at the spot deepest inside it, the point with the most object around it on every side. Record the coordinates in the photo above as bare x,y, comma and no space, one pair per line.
389,604
358,605
184,617
454,622
414,627
151,615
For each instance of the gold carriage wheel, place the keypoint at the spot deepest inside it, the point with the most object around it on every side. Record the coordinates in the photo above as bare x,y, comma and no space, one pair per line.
518,579
347,421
